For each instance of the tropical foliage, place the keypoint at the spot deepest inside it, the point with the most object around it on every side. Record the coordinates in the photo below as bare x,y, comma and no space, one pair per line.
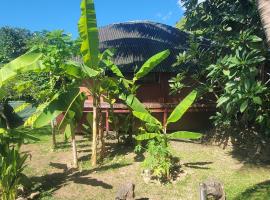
160,159
234,63
13,43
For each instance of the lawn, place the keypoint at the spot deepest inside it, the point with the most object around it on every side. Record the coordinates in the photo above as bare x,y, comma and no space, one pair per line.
53,177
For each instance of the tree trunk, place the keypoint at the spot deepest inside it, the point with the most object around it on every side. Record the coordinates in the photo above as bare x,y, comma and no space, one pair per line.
53,135
74,147
264,10
101,140
95,132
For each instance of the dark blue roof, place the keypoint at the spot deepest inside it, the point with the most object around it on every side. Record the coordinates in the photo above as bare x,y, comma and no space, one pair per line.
137,41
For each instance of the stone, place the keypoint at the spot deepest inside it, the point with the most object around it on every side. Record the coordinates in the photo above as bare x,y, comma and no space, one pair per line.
212,188
126,192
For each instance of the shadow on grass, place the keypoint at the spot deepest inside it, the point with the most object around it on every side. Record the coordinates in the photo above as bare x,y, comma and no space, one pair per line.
52,182
198,165
259,191
247,146
67,145
250,155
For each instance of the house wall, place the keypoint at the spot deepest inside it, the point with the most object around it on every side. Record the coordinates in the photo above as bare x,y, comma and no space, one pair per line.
158,92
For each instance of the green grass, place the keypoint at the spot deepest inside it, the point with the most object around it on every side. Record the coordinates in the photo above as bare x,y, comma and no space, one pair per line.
206,162
241,181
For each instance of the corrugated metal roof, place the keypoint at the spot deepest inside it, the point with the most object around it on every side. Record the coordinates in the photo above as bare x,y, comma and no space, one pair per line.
135,42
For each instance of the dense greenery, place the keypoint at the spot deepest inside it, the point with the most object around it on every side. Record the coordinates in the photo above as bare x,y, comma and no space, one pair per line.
234,62
13,43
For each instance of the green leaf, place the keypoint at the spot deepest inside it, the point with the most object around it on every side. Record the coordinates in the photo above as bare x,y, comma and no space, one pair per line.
68,131
255,38
182,107
56,107
74,110
226,72
135,104
2,93
146,117
222,100
151,63
152,127
114,68
147,136
25,63
244,106
185,135
257,100
89,34
90,72
73,69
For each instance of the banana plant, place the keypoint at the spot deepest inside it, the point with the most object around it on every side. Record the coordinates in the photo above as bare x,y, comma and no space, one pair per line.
12,161
89,70
128,88
159,159
155,129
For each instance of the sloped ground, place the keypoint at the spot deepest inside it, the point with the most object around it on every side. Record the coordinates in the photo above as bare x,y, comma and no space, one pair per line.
51,173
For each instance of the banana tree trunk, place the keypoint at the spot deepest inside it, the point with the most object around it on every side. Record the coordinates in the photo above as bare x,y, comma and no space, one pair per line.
264,10
74,147
101,140
95,131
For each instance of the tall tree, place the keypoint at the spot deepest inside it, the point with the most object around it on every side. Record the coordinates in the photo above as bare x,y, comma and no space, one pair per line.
264,10
13,43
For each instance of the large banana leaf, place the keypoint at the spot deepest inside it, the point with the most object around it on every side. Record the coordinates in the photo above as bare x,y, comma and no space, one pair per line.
146,117
73,69
89,34
147,136
90,72
57,106
151,63
114,68
135,104
185,135
74,111
25,63
182,107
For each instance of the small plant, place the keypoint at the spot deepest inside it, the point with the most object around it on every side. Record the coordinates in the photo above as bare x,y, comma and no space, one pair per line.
159,159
